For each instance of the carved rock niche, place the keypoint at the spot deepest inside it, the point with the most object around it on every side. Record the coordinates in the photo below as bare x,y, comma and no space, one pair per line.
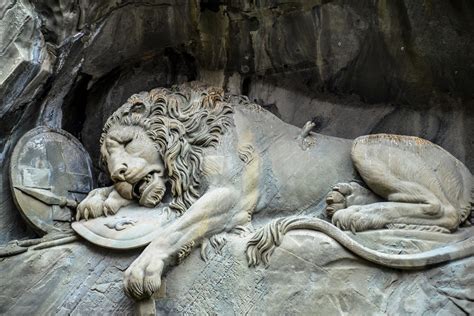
236,158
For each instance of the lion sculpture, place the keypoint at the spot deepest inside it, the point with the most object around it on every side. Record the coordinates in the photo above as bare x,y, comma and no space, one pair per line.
223,159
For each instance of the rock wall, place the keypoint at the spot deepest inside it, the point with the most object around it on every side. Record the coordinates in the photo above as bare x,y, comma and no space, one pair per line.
355,66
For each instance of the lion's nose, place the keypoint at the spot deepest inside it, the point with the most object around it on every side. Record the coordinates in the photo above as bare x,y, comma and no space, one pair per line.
119,173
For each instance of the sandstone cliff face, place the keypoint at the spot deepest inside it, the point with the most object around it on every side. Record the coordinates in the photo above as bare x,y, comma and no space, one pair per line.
357,66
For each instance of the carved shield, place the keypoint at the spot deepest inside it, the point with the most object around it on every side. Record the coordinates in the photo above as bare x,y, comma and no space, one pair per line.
49,162
133,226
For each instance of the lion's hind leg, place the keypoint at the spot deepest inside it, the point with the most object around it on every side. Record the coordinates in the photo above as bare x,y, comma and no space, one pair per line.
396,169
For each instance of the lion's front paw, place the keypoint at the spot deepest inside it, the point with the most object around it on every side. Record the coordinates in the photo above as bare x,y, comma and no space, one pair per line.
92,206
114,202
143,277
358,218
102,201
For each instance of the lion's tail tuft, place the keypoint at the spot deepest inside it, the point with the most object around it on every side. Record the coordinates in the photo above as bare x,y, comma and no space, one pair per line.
266,239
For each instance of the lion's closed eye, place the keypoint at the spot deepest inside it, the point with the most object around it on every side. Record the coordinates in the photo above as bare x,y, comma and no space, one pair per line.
129,140
125,143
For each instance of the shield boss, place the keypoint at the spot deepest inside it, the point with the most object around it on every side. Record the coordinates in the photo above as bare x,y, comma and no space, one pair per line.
51,161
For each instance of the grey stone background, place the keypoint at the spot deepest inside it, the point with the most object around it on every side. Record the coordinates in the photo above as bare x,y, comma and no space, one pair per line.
356,66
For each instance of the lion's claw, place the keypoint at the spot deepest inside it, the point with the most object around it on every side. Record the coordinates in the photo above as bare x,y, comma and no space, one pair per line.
93,205
143,277
108,209
353,228
343,188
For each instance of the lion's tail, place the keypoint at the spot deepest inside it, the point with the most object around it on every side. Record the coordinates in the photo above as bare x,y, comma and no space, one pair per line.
262,244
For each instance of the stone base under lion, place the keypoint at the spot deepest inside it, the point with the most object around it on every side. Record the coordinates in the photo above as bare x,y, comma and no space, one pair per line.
309,272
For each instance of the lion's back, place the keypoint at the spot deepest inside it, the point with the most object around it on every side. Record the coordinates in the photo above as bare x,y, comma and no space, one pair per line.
291,174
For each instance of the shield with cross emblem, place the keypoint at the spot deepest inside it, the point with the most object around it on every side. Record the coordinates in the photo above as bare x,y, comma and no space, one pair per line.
52,163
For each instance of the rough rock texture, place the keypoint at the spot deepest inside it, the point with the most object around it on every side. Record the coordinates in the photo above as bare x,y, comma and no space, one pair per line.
357,66
309,274
74,279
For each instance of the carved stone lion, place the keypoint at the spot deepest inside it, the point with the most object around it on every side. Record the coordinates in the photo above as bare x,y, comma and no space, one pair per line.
223,159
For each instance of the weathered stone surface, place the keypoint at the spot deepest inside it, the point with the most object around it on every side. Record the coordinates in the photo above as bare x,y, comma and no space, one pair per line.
449,126
359,66
25,66
411,57
246,162
72,279
310,273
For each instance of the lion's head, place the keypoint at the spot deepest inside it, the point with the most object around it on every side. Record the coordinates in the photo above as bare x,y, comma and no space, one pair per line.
160,136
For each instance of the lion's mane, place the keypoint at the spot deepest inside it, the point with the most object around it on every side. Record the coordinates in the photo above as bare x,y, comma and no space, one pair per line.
182,121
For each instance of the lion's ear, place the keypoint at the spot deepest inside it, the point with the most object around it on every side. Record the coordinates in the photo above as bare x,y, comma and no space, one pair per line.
138,108
138,111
